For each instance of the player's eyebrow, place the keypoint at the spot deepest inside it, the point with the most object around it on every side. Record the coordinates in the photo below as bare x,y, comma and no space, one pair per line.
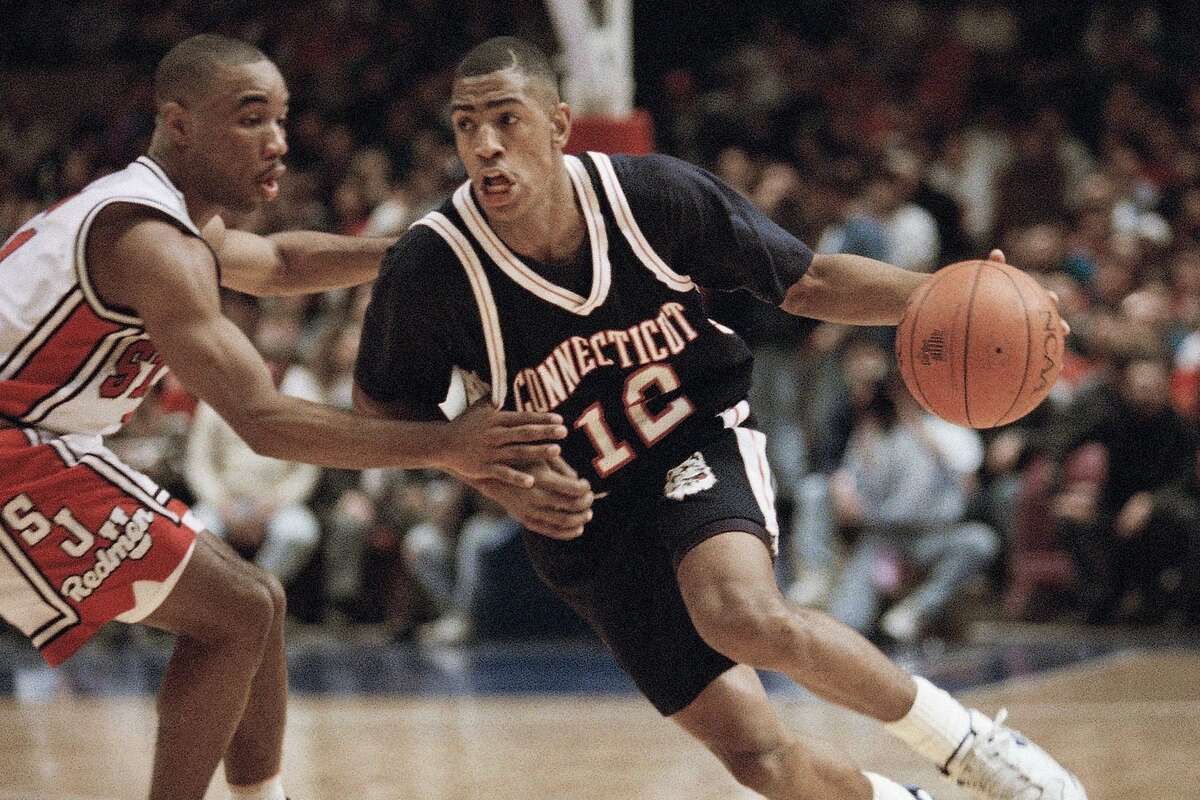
499,101
252,97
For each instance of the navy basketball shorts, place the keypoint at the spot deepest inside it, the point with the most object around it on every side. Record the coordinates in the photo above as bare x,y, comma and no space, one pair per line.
620,574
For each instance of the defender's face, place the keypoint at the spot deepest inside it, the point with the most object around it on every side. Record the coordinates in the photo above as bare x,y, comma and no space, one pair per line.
509,139
239,140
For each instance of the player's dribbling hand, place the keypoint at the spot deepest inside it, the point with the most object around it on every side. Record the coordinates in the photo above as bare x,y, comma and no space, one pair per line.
484,443
558,505
998,255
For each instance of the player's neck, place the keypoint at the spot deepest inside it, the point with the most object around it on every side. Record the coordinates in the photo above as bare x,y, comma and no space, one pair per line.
552,232
199,210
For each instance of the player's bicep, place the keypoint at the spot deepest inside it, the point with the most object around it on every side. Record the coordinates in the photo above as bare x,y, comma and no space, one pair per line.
722,240
746,249
247,261
176,296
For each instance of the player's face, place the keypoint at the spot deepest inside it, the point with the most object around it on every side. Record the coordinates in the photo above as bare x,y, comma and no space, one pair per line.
239,136
510,140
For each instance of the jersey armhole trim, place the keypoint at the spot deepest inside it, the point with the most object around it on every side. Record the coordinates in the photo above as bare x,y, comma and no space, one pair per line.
489,315
81,271
630,229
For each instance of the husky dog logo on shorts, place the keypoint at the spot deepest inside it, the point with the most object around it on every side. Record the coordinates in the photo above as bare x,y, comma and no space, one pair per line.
692,476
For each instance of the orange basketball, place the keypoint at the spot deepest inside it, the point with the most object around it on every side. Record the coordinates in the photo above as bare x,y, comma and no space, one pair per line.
980,344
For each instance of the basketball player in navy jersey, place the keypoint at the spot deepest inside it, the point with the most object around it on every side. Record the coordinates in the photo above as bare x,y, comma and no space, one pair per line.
550,282
98,296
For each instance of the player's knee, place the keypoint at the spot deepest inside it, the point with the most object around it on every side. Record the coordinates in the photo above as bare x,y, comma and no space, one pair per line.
253,609
745,626
276,592
759,766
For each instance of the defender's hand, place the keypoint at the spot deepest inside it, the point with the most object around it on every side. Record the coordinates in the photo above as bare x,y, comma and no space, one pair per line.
483,443
558,505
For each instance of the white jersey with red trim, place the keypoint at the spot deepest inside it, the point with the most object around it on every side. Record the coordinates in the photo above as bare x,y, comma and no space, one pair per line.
68,363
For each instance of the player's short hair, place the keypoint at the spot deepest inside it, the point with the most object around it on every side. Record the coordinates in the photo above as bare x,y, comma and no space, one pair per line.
509,52
188,67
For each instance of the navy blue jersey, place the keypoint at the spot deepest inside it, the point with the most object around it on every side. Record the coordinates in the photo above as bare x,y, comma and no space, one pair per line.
618,344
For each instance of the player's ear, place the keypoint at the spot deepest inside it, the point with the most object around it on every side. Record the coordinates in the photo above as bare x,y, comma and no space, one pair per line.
561,119
173,118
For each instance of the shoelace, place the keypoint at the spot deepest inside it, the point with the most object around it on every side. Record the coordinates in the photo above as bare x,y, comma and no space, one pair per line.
997,746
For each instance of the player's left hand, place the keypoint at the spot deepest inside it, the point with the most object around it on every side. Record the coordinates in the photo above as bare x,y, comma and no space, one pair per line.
998,255
484,443
558,505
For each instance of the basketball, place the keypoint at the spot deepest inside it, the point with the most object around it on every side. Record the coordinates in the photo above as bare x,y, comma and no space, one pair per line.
980,344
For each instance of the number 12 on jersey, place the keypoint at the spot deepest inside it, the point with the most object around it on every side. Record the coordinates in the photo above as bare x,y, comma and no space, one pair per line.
611,454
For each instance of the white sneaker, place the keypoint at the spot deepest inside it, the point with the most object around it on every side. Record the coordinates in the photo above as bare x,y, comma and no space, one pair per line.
995,762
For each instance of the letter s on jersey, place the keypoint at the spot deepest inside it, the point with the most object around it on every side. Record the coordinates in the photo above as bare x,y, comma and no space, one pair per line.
137,355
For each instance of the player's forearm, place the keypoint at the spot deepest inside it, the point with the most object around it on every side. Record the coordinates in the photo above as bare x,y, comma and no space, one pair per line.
298,430
852,290
316,262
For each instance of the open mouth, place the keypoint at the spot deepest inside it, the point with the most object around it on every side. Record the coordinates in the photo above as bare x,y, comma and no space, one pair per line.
496,184
269,181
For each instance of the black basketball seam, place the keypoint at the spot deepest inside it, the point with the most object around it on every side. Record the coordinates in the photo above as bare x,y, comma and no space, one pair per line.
912,336
1028,351
967,343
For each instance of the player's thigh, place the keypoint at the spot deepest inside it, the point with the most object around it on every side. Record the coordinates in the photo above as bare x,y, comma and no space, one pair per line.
733,715
728,584
219,594
718,520
623,584
725,485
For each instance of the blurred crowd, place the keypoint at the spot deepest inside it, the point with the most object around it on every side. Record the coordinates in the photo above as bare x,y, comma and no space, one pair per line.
919,133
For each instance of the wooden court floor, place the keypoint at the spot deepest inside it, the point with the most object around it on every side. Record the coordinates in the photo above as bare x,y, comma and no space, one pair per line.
1129,725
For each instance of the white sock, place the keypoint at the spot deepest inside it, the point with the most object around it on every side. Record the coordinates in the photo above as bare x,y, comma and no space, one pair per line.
271,789
884,789
935,726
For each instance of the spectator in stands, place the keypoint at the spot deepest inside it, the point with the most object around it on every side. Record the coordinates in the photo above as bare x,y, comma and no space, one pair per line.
863,363
1033,188
343,499
444,552
904,485
912,232
447,555
1144,517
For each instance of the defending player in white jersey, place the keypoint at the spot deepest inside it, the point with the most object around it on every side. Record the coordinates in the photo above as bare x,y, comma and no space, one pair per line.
101,293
